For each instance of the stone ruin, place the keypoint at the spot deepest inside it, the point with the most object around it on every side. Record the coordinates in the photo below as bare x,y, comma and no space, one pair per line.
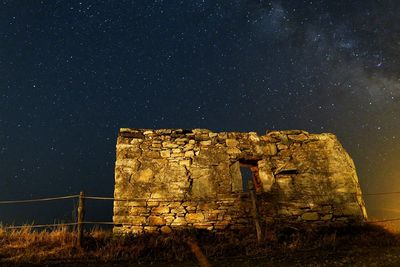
171,179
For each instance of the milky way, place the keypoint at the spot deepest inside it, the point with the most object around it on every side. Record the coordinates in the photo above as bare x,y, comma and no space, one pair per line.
72,74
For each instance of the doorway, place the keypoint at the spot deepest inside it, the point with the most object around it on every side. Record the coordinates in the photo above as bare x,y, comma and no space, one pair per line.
250,175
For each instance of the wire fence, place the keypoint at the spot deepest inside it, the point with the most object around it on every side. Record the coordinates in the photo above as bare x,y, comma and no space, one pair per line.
37,200
165,199
61,224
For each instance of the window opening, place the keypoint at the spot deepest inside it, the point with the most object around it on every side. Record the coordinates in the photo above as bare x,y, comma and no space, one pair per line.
250,177
247,178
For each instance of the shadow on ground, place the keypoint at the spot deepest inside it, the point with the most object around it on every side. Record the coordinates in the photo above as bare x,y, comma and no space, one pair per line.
367,245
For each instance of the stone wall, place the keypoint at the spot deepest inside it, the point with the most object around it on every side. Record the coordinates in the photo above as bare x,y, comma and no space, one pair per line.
173,178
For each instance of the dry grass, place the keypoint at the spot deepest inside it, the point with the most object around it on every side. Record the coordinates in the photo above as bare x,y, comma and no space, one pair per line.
28,245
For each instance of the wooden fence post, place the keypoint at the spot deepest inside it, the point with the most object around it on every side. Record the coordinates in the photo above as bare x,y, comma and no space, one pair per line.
81,218
254,214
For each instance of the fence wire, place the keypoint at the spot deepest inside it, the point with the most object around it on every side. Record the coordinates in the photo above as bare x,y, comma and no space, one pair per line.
119,223
149,200
39,225
169,199
37,200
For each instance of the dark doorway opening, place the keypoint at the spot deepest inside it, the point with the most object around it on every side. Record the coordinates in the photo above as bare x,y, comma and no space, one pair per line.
247,178
250,176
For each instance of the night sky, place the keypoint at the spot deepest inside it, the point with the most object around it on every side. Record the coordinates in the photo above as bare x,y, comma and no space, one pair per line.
72,73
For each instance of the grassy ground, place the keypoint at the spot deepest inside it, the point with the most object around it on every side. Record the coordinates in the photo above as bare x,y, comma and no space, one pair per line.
369,245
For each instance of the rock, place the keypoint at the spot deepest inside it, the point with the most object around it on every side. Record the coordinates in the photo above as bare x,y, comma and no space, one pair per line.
185,162
205,143
298,137
137,203
231,142
135,230
266,176
207,226
270,149
191,208
253,136
179,221
177,155
169,145
133,164
310,216
145,176
150,229
160,210
155,220
137,210
135,220
175,204
223,135
189,147
194,217
202,185
236,176
151,154
327,217
166,230
168,219
153,203
282,147
176,150
266,149
178,210
165,153
233,150
212,216
189,154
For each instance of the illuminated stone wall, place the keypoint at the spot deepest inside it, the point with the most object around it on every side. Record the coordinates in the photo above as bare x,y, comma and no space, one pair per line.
171,179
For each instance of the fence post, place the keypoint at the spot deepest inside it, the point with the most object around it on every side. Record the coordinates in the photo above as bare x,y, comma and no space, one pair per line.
81,218
254,212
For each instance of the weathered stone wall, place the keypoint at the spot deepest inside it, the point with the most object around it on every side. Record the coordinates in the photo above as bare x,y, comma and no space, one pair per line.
170,179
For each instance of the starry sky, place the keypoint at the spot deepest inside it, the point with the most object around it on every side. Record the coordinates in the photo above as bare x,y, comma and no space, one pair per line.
73,72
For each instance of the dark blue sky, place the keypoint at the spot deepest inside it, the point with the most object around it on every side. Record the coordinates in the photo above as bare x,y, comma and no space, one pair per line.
72,73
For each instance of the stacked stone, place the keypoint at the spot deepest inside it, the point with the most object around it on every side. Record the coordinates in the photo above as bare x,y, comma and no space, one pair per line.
163,216
163,159
315,179
174,178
